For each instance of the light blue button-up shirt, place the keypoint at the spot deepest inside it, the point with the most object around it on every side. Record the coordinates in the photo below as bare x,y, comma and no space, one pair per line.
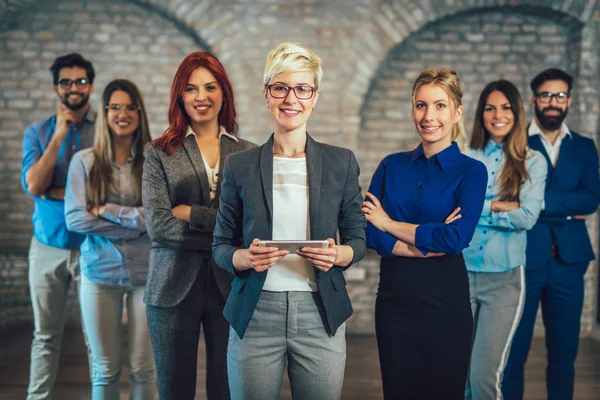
116,248
500,238
49,215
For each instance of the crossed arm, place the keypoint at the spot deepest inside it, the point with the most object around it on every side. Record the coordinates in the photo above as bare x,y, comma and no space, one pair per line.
166,224
111,221
430,239
405,232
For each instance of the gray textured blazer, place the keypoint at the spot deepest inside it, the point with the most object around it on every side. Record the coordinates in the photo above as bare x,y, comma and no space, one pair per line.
178,248
246,212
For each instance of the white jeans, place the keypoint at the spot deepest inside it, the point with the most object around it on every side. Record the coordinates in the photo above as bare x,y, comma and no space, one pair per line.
101,309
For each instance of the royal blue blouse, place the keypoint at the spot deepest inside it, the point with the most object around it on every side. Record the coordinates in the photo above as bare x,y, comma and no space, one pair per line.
418,190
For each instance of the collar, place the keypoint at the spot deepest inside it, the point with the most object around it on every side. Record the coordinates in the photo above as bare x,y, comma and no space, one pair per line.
131,157
444,158
491,147
222,132
534,129
90,116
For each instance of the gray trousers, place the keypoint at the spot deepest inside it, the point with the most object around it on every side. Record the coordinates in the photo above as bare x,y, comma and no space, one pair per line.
287,325
497,301
51,271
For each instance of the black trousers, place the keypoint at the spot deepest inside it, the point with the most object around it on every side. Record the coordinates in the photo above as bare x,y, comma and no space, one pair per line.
175,331
424,327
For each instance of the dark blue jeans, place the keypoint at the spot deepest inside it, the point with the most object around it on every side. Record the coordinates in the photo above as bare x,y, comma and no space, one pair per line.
175,331
559,288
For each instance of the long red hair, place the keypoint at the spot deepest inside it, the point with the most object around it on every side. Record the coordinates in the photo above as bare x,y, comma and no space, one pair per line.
174,136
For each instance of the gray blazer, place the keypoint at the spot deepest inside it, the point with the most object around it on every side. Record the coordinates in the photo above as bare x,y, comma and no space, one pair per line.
246,212
178,248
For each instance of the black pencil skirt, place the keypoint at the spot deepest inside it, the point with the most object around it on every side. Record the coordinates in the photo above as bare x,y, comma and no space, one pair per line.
424,327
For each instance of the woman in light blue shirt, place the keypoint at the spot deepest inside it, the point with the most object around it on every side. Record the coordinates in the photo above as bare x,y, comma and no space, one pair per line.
103,201
496,256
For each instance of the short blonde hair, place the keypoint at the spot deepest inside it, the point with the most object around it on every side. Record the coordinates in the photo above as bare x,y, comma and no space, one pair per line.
291,57
448,80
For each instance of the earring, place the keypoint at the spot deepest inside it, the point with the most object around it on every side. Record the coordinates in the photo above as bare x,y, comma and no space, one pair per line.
267,106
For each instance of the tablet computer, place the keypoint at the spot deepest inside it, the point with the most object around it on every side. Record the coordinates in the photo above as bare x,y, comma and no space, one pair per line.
293,245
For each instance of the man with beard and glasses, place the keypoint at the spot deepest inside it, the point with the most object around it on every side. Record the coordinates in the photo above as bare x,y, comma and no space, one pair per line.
558,246
53,256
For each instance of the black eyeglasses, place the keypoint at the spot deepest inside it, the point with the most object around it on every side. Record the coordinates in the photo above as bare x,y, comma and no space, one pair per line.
117,107
546,97
302,92
80,83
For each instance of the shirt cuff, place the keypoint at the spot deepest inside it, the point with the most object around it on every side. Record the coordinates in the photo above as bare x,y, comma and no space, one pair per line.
387,243
382,242
423,237
111,212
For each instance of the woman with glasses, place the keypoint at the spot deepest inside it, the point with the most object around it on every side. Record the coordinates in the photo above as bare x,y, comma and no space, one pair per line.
180,189
103,201
423,319
289,305
496,257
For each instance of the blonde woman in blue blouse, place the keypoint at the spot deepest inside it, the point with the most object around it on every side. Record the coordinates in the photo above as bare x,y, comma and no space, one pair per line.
103,201
496,256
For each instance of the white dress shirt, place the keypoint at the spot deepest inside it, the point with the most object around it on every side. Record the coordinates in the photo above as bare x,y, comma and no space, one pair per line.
211,173
553,150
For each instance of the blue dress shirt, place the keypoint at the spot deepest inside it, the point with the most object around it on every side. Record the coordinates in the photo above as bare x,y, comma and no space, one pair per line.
500,239
49,215
424,191
116,249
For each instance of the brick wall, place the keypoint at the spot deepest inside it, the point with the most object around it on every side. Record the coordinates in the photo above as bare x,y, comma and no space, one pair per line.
122,40
372,51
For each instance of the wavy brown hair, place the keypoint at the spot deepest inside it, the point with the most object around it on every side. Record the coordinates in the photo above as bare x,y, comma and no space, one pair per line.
514,171
100,178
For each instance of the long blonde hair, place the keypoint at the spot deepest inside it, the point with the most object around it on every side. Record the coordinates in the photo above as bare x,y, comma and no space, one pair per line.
100,178
448,80
514,172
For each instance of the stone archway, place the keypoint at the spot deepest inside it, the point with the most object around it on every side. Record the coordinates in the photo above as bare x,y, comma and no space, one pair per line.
482,46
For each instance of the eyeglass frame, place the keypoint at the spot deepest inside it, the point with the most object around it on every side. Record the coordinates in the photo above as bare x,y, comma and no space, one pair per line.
79,82
293,88
559,100
117,107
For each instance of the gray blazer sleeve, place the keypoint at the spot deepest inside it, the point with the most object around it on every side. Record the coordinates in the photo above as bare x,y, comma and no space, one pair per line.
162,226
351,220
203,218
227,236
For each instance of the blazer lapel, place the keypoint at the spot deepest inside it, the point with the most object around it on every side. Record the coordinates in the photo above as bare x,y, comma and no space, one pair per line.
314,165
266,176
536,144
193,152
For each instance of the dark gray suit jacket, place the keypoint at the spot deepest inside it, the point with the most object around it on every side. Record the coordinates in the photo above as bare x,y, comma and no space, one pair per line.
178,248
246,210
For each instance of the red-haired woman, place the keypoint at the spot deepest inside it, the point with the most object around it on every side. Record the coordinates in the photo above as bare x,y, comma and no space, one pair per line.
180,192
